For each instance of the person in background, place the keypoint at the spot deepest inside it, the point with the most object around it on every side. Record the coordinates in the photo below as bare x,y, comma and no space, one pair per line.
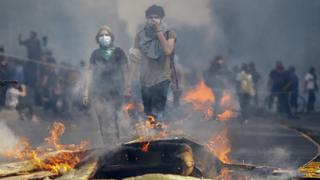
48,81
245,91
256,79
280,79
13,94
5,74
17,99
216,77
152,52
44,45
311,87
276,83
293,88
34,53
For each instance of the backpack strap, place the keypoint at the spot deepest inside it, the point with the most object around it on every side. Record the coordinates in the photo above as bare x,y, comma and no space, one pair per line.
174,75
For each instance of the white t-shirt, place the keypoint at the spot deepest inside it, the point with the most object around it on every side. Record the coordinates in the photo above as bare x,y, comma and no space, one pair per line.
12,97
309,79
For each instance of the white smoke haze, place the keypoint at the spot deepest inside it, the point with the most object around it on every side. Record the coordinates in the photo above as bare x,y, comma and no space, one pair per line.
71,25
280,156
179,12
9,139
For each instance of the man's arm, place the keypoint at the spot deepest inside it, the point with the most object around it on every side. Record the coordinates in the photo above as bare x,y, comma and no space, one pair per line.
167,45
23,91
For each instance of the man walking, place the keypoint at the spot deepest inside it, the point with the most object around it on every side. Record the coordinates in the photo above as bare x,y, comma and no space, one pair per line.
153,48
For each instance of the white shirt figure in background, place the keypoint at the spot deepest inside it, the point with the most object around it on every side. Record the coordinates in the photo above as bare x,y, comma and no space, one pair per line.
311,87
13,94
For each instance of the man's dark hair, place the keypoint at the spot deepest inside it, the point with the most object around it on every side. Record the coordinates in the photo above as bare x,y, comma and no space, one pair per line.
155,9
1,49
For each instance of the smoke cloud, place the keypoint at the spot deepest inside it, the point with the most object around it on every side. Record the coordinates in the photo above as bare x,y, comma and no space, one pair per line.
10,141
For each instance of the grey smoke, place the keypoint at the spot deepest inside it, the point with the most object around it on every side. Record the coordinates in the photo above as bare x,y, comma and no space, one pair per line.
10,140
245,30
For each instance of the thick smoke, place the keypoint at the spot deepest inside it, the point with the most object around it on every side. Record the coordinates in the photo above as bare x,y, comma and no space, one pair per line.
267,31
193,13
240,30
10,140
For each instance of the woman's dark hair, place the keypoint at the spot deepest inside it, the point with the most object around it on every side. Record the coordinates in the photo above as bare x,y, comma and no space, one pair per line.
155,9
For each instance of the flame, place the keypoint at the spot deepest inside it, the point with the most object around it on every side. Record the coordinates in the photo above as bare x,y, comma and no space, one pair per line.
128,107
201,97
65,158
145,147
226,115
226,99
225,174
150,129
220,146
201,94
228,174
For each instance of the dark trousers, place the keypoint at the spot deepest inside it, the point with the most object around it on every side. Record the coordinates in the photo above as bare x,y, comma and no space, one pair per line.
256,97
155,97
283,99
218,96
3,91
311,100
294,101
244,101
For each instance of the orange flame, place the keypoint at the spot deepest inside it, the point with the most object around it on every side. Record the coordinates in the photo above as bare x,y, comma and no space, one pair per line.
201,97
145,147
225,174
128,107
226,115
226,99
220,146
149,130
66,158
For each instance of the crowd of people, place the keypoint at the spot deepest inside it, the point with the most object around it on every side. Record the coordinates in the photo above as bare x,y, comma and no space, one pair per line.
42,82
283,86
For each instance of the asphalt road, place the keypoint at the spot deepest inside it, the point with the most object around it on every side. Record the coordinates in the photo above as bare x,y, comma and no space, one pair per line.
262,141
